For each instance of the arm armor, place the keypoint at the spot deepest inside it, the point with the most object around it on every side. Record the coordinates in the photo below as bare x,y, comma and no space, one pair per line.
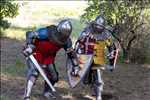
70,52
30,36
112,53
72,55
111,48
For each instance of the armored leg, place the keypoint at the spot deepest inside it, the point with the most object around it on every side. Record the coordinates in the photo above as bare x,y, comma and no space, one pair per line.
98,84
52,75
31,78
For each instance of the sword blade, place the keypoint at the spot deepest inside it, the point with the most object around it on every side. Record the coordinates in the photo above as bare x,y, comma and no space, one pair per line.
116,56
41,72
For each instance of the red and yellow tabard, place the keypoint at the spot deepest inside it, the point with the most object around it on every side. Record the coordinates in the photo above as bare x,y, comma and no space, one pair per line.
99,51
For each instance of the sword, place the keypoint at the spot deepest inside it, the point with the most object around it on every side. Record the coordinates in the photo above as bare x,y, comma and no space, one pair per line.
116,55
41,72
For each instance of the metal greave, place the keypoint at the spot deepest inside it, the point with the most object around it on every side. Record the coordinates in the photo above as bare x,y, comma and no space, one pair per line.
98,85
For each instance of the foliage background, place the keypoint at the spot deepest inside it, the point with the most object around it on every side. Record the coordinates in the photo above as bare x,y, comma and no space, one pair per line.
130,20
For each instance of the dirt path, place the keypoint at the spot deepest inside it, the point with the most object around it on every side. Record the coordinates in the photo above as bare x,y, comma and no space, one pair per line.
127,82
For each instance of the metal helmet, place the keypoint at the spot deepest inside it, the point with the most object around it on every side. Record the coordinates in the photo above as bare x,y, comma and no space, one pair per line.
99,24
62,33
100,20
64,28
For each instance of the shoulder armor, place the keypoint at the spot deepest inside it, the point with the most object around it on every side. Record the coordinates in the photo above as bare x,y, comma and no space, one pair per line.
29,37
84,33
42,33
104,35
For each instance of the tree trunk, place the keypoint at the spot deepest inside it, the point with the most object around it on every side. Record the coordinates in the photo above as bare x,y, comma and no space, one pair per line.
126,55
126,51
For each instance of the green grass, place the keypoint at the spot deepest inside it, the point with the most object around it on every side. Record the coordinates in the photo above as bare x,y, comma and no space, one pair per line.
77,27
4,97
14,33
16,69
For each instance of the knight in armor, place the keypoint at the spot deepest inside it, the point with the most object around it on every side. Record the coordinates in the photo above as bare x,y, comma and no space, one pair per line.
92,41
43,44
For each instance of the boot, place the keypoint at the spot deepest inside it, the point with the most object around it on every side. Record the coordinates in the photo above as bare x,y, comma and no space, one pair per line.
93,91
26,98
98,98
48,93
28,88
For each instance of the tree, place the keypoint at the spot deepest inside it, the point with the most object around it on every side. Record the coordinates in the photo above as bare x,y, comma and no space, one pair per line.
126,16
8,9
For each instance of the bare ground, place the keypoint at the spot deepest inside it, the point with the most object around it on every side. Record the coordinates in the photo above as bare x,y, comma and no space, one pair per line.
127,82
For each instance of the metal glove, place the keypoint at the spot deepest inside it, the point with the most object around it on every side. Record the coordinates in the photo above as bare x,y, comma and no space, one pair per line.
111,55
75,71
28,50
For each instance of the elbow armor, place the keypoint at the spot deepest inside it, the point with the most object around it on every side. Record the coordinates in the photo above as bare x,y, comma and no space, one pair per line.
30,36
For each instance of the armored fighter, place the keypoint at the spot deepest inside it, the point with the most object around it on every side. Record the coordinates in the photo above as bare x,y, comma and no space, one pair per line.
92,42
43,44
